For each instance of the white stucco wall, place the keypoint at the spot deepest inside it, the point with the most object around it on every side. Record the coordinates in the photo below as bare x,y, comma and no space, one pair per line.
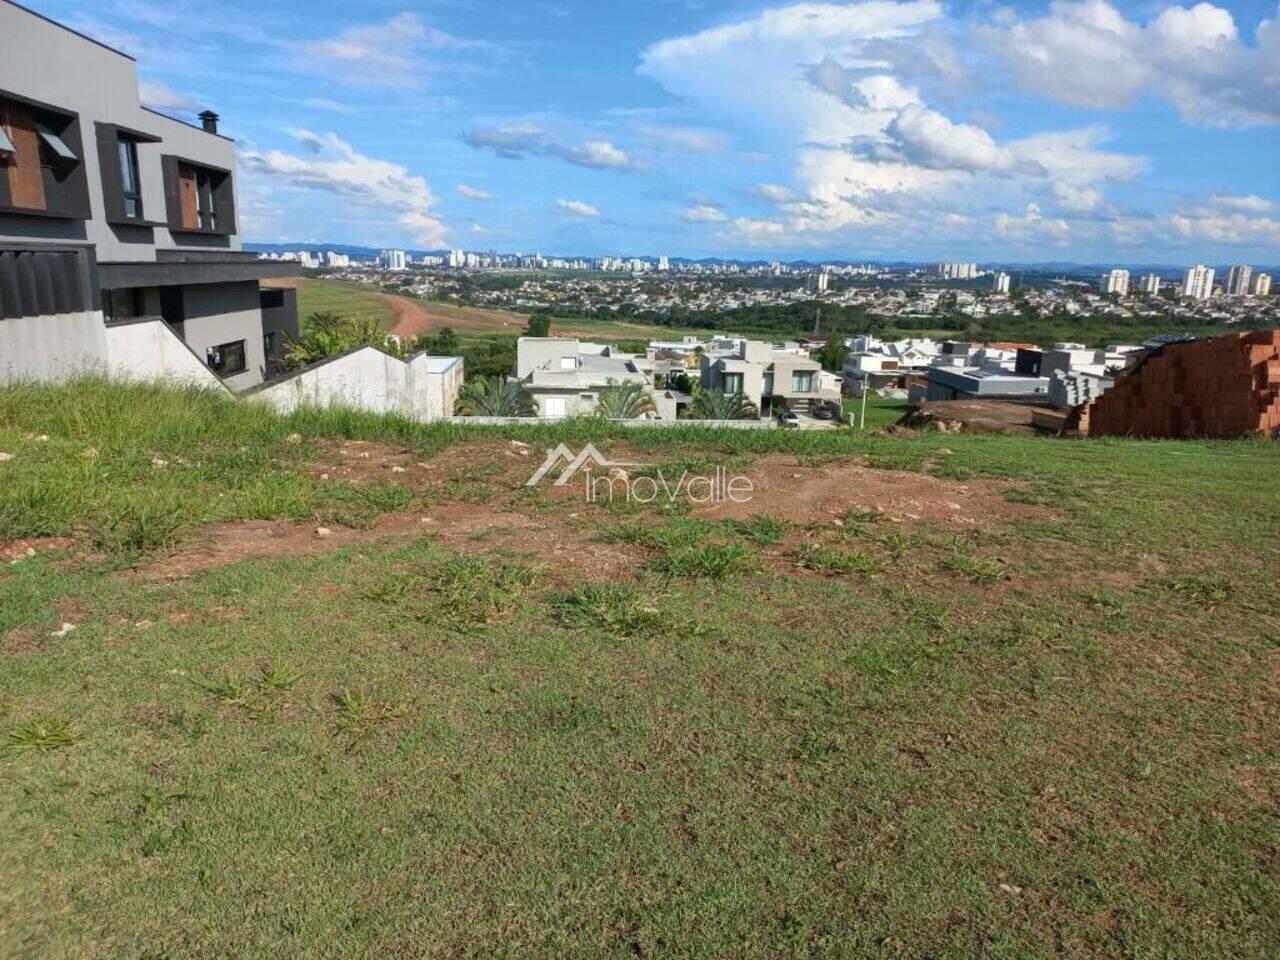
52,348
150,351
368,379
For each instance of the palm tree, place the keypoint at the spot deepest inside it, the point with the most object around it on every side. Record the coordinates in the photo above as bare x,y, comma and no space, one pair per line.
327,334
494,397
712,405
624,401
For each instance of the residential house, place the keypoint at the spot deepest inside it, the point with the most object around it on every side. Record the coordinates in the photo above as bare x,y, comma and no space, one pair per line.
113,215
565,375
771,376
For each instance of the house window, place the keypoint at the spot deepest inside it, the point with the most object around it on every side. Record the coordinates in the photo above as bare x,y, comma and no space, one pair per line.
204,200
802,381
40,164
269,345
733,383
200,198
123,304
768,384
130,188
53,144
226,359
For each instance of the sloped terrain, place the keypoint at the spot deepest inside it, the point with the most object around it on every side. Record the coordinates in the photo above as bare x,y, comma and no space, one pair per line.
932,695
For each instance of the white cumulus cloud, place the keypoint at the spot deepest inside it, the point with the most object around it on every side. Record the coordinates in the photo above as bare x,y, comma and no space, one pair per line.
473,193
334,166
1090,54
579,208
702,213
517,139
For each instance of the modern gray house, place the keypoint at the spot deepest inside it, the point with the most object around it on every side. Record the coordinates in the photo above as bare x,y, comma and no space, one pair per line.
112,214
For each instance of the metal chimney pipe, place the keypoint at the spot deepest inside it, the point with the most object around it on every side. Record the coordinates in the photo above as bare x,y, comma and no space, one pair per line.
209,121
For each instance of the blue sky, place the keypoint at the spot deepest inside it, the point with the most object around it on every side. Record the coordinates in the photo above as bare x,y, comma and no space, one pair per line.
1086,131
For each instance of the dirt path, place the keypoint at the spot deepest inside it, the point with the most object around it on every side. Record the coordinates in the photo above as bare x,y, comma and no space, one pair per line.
413,317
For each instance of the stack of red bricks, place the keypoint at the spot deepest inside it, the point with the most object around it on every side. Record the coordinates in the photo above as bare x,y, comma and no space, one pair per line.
1224,387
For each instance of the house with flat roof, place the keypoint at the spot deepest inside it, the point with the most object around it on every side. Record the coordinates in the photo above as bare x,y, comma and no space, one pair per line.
772,377
565,375
113,215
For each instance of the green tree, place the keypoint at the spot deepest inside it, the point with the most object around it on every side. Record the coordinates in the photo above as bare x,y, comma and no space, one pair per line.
445,343
712,405
832,355
495,397
539,326
327,335
624,401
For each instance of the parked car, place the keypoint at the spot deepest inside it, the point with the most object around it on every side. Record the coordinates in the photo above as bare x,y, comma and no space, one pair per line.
823,411
790,421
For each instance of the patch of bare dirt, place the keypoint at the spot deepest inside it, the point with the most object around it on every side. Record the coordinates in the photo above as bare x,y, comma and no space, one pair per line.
974,416
22,640
567,554
361,462
469,503
32,546
413,317
803,494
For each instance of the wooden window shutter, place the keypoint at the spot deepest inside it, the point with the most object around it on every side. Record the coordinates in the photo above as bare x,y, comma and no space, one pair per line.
187,196
26,178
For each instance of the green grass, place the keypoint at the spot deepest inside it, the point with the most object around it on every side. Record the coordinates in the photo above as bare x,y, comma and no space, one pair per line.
1055,737
345,299
881,411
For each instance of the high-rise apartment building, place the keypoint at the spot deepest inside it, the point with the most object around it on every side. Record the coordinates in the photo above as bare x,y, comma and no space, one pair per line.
1115,281
1198,283
1261,286
1150,285
1001,283
1238,280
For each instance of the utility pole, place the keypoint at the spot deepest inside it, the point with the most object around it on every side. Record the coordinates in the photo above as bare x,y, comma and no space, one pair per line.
866,382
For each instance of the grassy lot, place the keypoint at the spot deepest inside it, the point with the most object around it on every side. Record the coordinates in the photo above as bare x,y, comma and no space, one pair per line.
1049,733
881,411
344,299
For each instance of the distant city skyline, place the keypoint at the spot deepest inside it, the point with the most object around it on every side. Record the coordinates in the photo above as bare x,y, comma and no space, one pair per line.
1086,132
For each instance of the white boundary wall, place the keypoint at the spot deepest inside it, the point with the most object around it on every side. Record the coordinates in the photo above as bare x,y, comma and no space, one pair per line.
424,388
150,351
52,348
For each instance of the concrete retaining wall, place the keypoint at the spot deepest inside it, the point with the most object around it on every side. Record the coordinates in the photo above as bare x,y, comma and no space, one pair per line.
424,388
52,348
149,350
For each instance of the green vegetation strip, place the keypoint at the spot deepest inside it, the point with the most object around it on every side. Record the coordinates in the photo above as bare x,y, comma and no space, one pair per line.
1055,737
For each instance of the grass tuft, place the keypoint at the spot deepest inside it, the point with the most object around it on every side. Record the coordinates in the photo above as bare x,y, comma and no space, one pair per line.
618,608
42,734
277,678
136,532
229,688
714,561
358,716
973,568
762,529
823,559
472,591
